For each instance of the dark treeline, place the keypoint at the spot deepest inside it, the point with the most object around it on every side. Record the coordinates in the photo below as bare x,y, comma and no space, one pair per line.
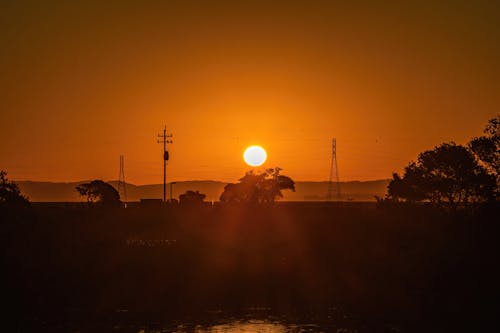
411,267
452,175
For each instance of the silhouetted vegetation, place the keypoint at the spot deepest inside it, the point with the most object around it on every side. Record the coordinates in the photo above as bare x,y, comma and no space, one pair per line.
448,175
100,192
487,147
10,194
451,175
257,188
192,198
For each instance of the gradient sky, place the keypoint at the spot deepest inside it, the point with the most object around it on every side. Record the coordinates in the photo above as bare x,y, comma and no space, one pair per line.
82,83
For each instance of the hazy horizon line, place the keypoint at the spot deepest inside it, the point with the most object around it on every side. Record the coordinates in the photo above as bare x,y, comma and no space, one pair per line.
185,181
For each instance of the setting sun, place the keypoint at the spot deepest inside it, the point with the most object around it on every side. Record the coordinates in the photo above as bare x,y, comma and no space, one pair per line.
255,156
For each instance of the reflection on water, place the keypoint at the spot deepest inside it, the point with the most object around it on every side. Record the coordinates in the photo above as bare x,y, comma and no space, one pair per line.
251,326
248,326
252,320
264,323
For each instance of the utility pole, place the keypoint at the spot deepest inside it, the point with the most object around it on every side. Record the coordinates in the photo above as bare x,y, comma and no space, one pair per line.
334,174
164,138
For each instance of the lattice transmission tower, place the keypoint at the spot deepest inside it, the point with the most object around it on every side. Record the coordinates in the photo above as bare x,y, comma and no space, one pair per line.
122,186
334,182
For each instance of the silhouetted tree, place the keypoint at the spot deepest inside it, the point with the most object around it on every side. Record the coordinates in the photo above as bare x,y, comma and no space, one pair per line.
9,191
98,191
447,175
408,186
191,198
487,147
262,188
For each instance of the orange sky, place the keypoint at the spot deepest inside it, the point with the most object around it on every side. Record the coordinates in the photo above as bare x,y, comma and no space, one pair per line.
81,84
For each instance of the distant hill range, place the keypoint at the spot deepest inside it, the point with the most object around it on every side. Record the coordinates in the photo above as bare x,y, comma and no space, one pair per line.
305,190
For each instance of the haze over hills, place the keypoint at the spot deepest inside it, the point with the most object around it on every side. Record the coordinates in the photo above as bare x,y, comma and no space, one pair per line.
305,190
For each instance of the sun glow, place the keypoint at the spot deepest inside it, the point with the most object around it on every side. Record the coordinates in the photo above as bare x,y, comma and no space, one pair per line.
255,156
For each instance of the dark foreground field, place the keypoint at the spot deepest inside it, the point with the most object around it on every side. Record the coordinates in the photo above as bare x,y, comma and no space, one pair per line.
356,267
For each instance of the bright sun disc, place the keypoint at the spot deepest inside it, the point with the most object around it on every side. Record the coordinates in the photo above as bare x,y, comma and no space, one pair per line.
255,156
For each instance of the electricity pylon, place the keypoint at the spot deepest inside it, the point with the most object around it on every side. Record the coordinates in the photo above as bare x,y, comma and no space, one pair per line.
334,182
122,186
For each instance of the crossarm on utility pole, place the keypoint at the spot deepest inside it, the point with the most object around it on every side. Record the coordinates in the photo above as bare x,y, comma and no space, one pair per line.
164,138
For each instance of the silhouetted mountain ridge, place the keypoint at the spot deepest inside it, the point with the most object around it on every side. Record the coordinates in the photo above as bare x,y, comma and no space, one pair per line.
305,190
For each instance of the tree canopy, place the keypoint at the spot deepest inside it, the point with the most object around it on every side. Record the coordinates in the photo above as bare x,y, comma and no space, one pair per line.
448,175
191,198
487,147
259,188
10,192
451,174
98,191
